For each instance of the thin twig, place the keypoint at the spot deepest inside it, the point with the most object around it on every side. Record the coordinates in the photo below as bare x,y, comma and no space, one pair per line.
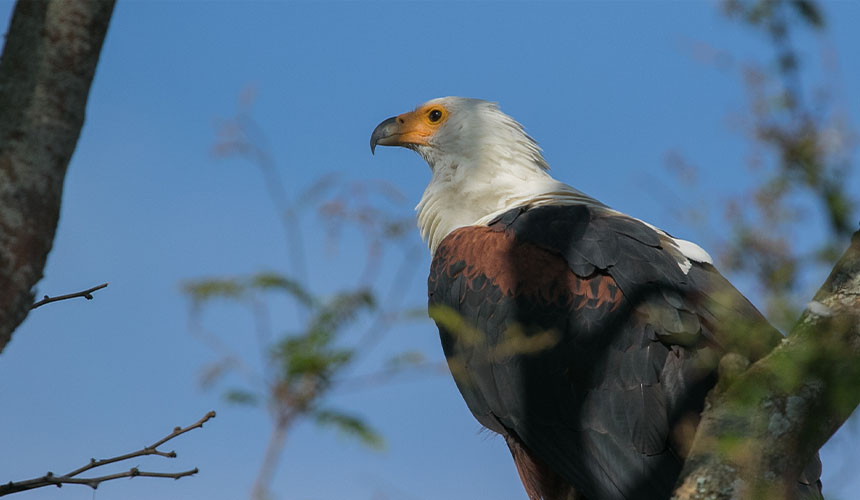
274,450
50,479
87,294
381,323
217,345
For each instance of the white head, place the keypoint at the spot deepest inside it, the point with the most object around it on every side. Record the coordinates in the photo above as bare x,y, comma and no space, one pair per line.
482,160
458,130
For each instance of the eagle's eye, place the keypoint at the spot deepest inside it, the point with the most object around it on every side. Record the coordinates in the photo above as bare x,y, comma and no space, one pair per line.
435,115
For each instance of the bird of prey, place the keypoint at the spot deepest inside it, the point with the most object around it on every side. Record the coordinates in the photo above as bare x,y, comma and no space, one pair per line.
587,338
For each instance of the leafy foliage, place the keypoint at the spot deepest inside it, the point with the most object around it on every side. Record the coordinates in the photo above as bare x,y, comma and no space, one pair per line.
202,291
802,151
275,281
314,352
408,358
242,397
763,12
304,361
350,425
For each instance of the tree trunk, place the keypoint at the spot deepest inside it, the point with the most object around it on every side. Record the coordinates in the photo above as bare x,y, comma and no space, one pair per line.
756,437
46,69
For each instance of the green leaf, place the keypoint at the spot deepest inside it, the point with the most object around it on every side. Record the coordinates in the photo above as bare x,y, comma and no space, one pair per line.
810,12
275,281
320,364
413,314
241,397
339,312
204,290
406,360
451,320
350,425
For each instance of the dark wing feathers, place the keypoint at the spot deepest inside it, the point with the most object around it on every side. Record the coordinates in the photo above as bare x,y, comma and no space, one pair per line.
598,403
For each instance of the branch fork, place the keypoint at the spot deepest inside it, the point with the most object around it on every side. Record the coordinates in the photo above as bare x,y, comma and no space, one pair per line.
50,479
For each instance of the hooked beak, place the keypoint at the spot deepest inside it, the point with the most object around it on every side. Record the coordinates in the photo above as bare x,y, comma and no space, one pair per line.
386,133
410,130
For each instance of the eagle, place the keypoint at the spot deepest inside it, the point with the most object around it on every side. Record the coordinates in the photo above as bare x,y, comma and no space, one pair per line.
588,339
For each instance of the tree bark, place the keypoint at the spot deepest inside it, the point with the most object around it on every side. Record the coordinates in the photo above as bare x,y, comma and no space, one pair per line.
756,437
46,69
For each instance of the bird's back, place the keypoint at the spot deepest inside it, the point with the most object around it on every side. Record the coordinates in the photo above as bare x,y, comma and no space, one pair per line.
575,334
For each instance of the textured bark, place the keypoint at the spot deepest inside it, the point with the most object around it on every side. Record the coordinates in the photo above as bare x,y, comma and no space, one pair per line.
47,65
756,437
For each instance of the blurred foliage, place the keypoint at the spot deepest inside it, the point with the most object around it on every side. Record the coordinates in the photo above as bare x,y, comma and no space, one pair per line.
242,397
515,340
302,362
350,426
796,218
408,358
803,155
765,12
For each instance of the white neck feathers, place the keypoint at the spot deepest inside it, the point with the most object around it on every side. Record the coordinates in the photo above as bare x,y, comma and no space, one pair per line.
483,164
449,203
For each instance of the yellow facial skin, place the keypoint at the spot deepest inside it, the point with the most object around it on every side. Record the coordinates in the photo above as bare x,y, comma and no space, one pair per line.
419,125
410,129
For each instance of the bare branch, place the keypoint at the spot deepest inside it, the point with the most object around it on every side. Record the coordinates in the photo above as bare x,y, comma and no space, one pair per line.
50,479
93,482
177,431
87,294
274,450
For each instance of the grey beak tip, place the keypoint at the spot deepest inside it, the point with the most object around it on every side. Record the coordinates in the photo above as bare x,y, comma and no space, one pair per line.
381,133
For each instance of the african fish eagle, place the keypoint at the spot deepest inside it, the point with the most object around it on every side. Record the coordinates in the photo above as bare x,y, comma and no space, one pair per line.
585,337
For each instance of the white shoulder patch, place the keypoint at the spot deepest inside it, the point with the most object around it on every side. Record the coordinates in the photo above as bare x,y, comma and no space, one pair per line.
693,251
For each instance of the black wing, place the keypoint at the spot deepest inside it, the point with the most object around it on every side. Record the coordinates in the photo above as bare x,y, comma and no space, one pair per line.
575,333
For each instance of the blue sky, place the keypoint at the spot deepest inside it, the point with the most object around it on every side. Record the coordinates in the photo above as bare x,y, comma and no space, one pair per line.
607,88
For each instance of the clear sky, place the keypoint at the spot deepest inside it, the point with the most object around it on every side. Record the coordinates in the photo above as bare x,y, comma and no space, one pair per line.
607,88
